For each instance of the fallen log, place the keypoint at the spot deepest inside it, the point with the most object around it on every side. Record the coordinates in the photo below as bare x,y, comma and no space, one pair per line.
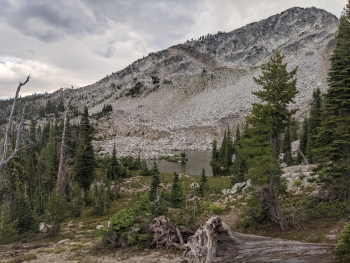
216,242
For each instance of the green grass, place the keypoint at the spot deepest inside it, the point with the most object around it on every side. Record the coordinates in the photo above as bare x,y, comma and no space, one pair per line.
297,183
59,249
26,257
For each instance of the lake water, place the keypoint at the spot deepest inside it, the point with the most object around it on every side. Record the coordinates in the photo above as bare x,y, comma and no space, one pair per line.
196,161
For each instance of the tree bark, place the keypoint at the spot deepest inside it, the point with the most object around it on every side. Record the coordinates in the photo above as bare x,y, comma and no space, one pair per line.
166,234
62,168
216,242
5,158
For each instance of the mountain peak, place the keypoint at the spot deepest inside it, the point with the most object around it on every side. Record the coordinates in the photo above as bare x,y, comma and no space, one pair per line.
185,96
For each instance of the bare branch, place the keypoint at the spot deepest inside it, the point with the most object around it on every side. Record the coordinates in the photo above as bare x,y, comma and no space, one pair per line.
61,177
5,159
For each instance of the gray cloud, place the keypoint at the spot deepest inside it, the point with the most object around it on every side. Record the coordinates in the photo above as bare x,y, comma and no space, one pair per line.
50,20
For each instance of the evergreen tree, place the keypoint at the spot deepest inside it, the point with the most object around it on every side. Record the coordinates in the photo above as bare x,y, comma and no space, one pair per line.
287,148
49,165
215,153
101,199
332,148
314,123
229,151
237,135
223,151
8,231
279,89
155,184
203,184
115,173
239,167
267,121
24,216
303,141
84,160
176,192
112,173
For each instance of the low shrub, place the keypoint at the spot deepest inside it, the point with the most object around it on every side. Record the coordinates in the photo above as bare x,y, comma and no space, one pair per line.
342,249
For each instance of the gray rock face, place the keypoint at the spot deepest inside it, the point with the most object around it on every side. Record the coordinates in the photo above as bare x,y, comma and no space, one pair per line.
185,96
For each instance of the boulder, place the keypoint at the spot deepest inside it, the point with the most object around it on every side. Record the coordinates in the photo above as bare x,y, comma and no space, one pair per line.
63,241
44,227
99,227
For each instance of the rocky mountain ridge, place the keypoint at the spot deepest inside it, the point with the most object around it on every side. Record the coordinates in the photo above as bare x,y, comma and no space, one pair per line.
185,96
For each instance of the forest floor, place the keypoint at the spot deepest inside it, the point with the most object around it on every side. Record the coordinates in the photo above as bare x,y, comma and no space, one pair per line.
79,241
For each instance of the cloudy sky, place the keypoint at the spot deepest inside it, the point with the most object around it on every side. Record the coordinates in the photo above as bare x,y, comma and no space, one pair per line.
64,43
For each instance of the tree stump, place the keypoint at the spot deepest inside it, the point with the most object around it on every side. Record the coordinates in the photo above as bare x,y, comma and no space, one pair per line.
166,234
209,243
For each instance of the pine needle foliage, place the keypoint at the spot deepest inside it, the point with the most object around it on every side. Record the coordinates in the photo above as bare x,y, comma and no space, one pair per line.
287,148
267,122
332,148
155,184
84,161
279,90
203,184
314,123
303,141
176,192
342,249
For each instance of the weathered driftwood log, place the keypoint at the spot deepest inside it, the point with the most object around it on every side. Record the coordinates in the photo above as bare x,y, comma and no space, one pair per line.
217,243
166,234
211,242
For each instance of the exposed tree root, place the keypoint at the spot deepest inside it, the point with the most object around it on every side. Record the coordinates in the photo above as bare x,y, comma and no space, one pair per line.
166,234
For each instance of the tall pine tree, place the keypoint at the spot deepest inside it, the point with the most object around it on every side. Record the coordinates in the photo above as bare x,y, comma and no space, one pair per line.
267,122
176,192
203,184
287,148
84,160
239,167
303,141
155,184
314,123
215,152
332,148
114,174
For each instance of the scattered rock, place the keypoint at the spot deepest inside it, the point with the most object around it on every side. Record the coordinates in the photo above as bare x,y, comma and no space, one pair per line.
63,241
44,227
99,227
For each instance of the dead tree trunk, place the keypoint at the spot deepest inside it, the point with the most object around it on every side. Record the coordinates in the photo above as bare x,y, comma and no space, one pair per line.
166,234
5,158
216,242
62,168
271,197
210,242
